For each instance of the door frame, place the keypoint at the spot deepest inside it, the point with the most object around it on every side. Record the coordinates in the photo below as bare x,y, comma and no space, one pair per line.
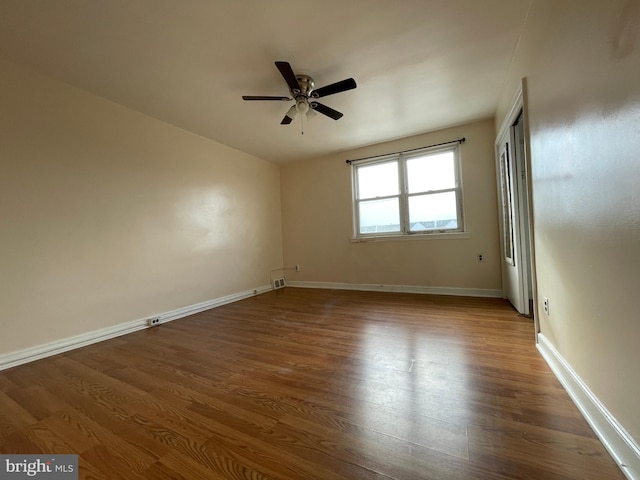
519,106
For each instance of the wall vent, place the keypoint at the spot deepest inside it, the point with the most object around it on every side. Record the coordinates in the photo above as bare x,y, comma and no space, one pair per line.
279,283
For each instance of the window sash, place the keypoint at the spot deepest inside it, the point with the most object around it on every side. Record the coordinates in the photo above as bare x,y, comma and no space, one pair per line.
398,187
388,229
404,197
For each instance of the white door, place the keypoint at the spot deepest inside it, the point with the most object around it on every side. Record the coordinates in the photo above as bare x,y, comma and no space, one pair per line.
516,242
509,230
522,217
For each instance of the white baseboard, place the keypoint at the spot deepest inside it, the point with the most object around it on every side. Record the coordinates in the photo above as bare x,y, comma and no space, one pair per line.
614,437
461,292
31,354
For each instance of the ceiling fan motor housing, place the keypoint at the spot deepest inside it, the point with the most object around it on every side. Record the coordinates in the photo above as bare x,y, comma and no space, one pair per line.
306,85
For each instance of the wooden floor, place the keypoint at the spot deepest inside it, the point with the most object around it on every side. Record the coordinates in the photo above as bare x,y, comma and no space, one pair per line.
309,384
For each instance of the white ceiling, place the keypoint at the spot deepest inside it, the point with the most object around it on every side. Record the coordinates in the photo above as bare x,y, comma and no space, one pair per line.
420,65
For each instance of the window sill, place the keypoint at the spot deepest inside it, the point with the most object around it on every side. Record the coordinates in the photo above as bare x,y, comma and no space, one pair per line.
414,236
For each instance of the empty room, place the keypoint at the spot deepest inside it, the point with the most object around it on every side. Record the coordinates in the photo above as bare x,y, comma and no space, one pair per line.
320,240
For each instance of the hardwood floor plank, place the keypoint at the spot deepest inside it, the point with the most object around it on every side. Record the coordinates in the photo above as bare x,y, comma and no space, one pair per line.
186,467
36,400
43,438
384,454
73,425
110,463
263,450
86,471
19,442
524,449
13,416
310,384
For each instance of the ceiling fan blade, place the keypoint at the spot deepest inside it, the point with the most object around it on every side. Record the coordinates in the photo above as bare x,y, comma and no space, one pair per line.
287,73
343,86
288,118
260,97
328,111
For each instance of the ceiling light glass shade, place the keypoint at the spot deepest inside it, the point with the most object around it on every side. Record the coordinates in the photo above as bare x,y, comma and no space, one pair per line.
302,106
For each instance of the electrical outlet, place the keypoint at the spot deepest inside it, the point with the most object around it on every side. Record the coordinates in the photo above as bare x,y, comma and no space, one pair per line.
546,305
297,268
152,322
480,257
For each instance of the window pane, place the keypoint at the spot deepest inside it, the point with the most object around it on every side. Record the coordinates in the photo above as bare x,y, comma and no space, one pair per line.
379,216
433,212
379,180
431,172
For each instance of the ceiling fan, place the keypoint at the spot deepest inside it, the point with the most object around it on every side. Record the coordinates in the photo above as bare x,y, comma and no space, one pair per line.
303,92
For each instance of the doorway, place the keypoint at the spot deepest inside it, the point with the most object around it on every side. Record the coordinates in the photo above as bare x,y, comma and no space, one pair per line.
516,227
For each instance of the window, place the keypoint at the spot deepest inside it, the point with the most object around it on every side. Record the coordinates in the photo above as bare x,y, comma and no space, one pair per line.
408,193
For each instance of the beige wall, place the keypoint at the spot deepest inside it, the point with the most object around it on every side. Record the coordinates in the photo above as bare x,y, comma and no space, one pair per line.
318,222
582,63
109,216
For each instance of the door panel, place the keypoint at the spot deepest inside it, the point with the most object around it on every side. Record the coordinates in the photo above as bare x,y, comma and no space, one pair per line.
522,216
509,226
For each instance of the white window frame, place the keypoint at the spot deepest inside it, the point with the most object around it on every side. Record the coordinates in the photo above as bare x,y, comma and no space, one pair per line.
403,195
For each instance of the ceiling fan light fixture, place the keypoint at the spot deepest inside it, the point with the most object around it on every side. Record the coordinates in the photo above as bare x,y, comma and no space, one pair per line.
302,106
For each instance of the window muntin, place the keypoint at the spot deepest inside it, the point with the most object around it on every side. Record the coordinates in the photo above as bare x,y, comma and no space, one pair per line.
409,194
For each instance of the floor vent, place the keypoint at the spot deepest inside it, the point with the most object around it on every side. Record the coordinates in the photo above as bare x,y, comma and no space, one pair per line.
279,283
